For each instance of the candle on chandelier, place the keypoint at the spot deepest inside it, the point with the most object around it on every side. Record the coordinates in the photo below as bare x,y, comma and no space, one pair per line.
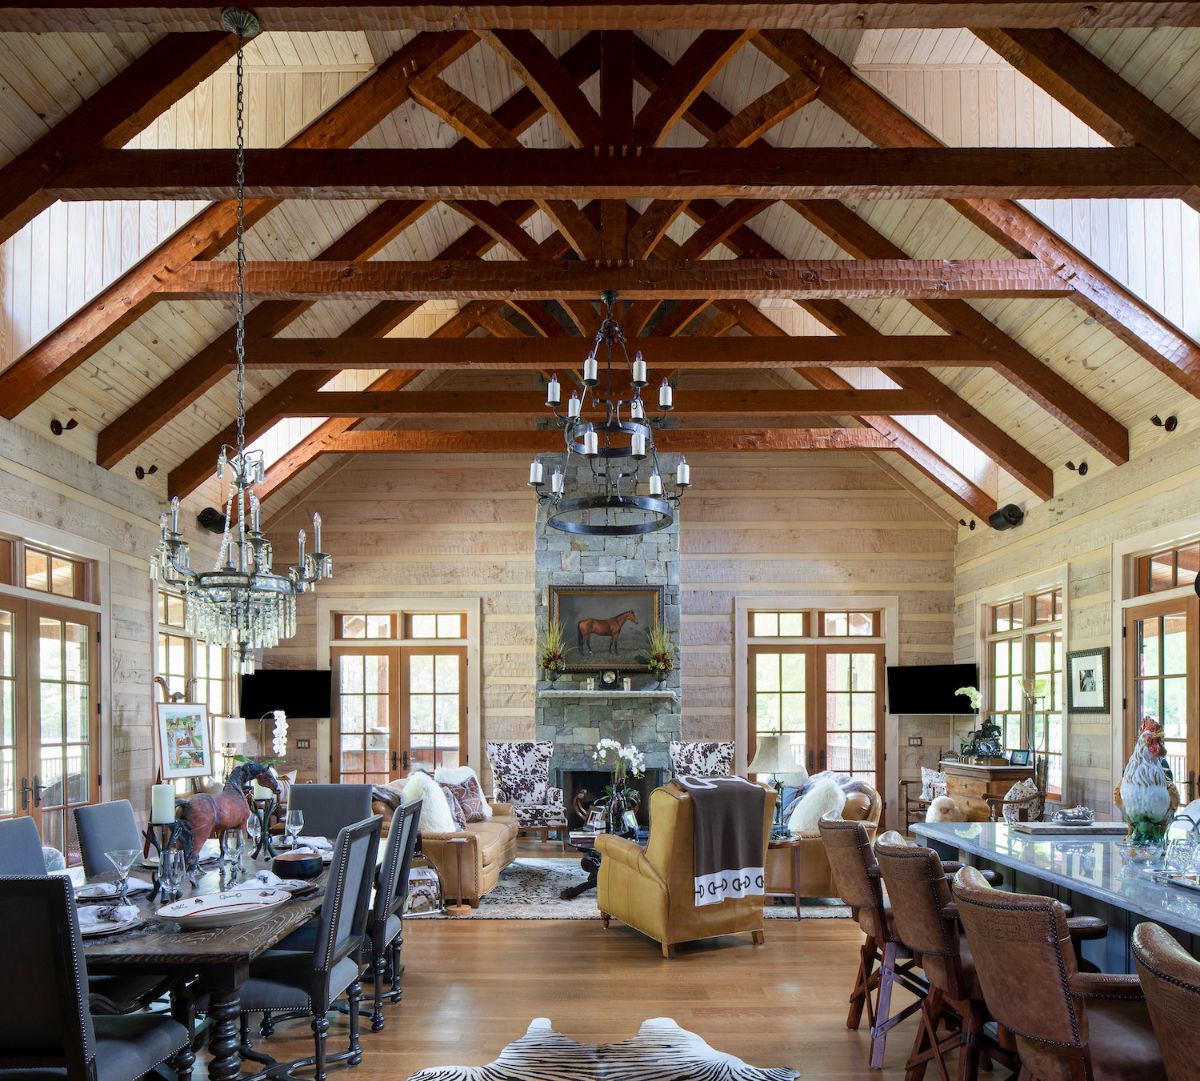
655,484
316,532
301,538
637,411
162,521
665,395
638,445
254,513
535,472
556,482
683,474
591,371
553,391
574,406
639,371
175,514
591,442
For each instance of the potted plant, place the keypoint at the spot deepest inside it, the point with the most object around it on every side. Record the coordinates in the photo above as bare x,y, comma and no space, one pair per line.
628,762
660,657
553,657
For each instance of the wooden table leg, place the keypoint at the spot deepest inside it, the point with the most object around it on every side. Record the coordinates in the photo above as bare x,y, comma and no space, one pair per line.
223,1011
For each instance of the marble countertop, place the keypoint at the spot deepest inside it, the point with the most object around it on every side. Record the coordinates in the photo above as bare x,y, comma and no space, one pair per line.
1091,866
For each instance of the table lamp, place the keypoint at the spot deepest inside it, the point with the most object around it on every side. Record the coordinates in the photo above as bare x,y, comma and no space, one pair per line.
229,733
774,755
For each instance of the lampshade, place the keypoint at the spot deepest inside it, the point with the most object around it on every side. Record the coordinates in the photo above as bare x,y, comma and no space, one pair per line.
774,755
230,729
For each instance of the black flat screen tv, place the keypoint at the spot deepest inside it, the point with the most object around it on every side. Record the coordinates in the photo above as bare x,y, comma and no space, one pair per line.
929,688
298,692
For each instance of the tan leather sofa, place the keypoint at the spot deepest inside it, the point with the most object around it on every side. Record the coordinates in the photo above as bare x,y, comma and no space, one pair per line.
487,848
652,889
816,880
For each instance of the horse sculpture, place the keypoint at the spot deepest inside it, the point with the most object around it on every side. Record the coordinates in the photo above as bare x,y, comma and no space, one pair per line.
606,628
200,816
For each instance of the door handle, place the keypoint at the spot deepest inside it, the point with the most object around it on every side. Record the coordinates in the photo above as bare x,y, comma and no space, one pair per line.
406,759
38,788
25,790
394,762
822,758
810,761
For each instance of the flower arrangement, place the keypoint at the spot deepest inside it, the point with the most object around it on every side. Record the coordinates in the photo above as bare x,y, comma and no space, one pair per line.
660,658
972,695
627,762
553,657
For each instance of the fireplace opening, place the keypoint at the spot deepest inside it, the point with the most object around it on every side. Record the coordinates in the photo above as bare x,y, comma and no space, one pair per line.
582,787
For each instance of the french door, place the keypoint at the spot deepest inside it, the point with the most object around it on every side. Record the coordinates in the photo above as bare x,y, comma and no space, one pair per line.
826,700
48,727
1161,674
398,708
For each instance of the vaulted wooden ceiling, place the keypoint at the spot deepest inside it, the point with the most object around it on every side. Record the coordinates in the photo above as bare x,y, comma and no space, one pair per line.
962,250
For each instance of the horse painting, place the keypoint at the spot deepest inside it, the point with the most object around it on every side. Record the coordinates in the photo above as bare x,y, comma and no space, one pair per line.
202,816
605,628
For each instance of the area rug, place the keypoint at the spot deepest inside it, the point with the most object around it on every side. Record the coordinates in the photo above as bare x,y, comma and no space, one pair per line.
661,1051
529,889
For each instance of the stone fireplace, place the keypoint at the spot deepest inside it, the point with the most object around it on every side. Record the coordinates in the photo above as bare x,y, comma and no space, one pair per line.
571,716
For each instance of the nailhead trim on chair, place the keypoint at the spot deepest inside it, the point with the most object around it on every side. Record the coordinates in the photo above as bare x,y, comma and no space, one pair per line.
1166,977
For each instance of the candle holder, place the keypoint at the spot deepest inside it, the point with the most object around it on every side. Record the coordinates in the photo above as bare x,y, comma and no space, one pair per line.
157,836
262,809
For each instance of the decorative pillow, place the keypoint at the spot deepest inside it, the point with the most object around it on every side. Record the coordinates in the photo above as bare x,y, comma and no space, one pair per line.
521,771
461,775
436,814
460,817
711,758
823,798
944,809
933,783
469,798
1031,812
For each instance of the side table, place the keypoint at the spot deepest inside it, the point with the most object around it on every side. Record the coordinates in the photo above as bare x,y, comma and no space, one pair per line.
794,843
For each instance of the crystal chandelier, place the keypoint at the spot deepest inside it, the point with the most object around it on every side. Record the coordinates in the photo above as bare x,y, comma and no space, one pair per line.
241,603
612,451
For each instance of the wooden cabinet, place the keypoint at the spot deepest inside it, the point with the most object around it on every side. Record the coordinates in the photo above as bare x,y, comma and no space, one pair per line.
969,785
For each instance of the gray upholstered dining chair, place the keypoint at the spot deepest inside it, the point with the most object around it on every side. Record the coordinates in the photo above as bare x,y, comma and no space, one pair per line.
329,807
300,982
385,928
103,827
48,1031
20,848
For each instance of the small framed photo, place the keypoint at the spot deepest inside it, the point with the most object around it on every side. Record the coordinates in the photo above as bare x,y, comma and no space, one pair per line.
629,819
1019,757
184,740
1087,681
596,819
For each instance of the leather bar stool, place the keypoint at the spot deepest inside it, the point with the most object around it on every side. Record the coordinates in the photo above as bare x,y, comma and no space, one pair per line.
1170,978
1068,1025
859,884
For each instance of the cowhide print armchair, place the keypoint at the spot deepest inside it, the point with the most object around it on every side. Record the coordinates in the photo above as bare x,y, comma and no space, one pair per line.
521,777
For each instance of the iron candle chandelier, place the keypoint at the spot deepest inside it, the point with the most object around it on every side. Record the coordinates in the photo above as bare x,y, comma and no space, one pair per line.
241,603
611,451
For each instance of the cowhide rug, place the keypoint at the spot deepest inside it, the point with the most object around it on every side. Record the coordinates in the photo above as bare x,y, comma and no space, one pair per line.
661,1051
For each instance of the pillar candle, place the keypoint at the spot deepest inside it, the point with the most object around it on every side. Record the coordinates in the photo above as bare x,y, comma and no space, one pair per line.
636,410
574,406
162,803
638,445
556,482
316,531
553,391
655,484
260,791
535,472
591,442
639,371
665,395
683,474
591,370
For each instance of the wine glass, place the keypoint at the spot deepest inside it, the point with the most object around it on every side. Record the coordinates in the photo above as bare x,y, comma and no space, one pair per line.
254,832
293,825
172,870
122,859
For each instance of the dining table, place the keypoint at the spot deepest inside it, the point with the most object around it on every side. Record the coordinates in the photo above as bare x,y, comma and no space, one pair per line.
218,957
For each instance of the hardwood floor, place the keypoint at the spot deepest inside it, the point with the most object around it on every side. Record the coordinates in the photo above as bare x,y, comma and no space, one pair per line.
473,986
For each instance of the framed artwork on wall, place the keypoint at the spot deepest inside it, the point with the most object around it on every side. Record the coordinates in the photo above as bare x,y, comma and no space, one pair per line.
184,740
1087,681
606,626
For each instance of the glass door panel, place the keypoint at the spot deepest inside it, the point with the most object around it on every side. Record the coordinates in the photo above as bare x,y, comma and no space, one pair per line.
852,712
779,699
366,749
435,706
13,749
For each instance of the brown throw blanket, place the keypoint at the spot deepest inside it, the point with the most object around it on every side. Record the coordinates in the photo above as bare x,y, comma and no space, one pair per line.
727,837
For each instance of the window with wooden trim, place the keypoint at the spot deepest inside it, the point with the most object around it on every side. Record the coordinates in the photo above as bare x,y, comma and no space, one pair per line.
32,566
358,625
426,625
1171,568
191,667
851,624
1023,649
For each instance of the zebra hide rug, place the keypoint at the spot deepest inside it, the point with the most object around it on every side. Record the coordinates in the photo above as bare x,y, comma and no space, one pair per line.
661,1051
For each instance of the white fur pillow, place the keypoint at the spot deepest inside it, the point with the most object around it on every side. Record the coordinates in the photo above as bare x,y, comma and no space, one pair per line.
823,798
436,816
459,775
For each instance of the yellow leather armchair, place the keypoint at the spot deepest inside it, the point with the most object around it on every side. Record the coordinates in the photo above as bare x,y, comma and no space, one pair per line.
653,890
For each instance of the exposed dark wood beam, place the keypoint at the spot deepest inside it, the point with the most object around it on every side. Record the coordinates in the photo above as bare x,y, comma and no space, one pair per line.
1096,94
616,116
1115,307
120,304
758,172
704,279
418,405
538,354
686,440
63,16
114,114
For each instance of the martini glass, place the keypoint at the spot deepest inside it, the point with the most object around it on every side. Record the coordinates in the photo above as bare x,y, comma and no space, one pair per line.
122,859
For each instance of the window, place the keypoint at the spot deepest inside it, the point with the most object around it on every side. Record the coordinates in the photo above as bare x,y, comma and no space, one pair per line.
402,705
1165,570
45,571
1024,652
193,668
826,699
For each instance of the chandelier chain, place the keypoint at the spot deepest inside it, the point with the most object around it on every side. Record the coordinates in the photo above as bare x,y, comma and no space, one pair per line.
240,314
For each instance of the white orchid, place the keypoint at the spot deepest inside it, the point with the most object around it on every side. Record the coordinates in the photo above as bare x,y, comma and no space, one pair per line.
627,759
972,695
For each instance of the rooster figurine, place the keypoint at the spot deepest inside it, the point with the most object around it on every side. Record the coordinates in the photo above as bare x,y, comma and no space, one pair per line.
1148,798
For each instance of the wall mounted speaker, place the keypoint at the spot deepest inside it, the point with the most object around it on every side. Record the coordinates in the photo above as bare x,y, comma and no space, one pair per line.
211,519
1006,517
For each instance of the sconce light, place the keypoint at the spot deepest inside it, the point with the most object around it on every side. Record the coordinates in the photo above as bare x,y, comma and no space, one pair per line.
57,427
142,474
1081,468
963,521
1170,424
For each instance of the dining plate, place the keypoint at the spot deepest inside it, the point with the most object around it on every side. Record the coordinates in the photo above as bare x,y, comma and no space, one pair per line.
223,909
99,929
